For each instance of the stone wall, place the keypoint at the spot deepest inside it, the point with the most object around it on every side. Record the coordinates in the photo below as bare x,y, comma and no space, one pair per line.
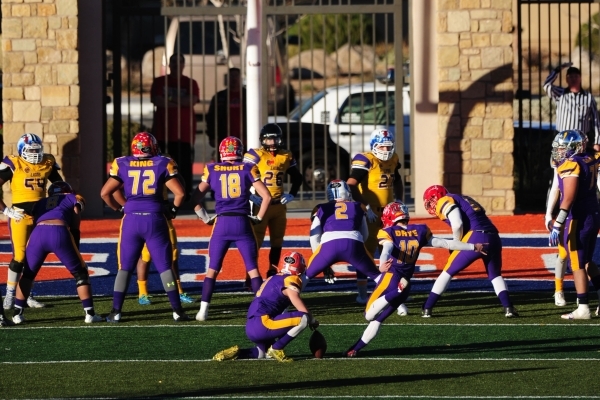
41,79
475,56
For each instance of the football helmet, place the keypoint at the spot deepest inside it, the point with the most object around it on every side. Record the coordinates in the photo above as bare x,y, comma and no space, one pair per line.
271,131
30,148
566,144
431,196
382,138
59,187
293,263
394,212
144,145
231,149
338,190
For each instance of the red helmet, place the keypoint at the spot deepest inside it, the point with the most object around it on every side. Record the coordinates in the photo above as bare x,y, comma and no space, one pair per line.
144,145
293,263
432,195
394,212
231,149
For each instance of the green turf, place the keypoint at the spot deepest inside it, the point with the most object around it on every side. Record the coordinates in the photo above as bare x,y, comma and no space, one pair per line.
468,349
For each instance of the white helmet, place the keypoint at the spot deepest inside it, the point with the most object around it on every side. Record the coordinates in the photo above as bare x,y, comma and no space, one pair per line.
380,138
338,190
30,148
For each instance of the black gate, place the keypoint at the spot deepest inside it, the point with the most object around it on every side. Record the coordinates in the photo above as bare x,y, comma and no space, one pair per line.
549,33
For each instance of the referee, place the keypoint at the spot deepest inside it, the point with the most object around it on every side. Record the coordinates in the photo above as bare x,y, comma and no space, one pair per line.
575,108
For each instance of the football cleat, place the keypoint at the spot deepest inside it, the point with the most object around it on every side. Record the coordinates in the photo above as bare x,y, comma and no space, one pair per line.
278,355
559,299
180,316
426,313
202,314
597,311
114,316
231,353
510,312
33,303
144,300
186,298
4,322
362,300
579,313
90,319
402,310
18,317
9,299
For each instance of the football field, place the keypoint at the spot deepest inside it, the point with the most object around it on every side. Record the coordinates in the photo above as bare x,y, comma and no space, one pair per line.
467,350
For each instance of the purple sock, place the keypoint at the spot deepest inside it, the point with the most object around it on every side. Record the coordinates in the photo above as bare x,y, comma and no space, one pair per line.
87,303
255,284
583,298
174,299
431,300
504,298
118,299
20,303
359,345
208,286
281,343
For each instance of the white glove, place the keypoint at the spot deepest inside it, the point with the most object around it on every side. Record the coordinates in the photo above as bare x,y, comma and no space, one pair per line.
15,213
554,237
203,215
286,198
256,199
371,216
548,222
254,219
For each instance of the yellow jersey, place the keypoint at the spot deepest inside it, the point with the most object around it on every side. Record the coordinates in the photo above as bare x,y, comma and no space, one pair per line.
377,187
271,167
28,181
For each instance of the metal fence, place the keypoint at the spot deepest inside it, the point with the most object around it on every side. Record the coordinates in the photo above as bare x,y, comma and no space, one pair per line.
548,33
327,71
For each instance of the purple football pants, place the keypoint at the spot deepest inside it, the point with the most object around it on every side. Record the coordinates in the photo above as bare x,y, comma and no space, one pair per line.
341,250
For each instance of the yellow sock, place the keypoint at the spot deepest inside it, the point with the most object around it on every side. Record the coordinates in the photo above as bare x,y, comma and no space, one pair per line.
558,284
142,288
179,286
11,285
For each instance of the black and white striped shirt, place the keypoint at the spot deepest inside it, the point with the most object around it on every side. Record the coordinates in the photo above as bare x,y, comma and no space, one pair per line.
573,110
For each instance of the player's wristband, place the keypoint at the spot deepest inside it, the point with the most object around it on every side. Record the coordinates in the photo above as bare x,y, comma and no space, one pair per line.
562,216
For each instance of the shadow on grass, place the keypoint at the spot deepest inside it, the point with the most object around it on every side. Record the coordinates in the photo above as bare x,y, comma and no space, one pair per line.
332,384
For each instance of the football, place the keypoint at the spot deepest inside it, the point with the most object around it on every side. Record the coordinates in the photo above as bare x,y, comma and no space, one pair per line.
317,344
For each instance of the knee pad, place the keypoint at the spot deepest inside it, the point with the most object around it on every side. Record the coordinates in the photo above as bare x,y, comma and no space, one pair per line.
16,266
82,277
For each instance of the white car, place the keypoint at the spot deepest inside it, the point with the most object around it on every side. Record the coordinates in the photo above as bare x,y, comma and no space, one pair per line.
353,112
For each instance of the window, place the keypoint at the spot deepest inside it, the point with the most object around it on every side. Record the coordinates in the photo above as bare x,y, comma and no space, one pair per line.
369,109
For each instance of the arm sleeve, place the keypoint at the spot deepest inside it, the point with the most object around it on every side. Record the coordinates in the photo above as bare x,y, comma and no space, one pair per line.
386,251
315,233
450,244
358,174
54,176
364,229
456,223
552,195
297,180
554,92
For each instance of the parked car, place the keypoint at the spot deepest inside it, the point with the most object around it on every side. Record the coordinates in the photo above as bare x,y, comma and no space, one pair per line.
352,112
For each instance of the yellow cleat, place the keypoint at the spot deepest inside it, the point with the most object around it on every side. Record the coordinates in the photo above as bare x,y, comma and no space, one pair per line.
278,355
227,354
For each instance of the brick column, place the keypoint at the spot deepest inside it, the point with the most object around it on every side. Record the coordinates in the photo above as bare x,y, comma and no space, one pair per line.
41,79
476,110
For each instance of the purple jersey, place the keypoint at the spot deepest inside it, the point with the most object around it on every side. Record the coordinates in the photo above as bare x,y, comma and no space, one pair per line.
585,168
340,216
231,183
471,212
143,181
270,299
55,207
408,241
